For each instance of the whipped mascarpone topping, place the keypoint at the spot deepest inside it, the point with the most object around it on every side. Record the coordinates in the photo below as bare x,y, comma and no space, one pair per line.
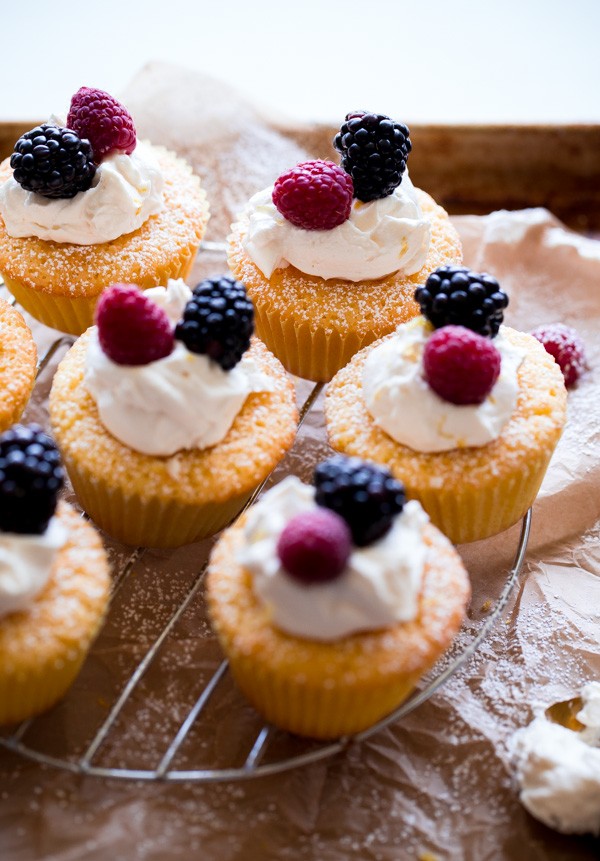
125,192
25,565
558,770
183,401
379,586
402,403
380,237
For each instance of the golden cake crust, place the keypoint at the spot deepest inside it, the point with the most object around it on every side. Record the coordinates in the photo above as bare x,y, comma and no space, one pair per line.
469,493
145,257
261,433
366,308
356,661
41,648
18,356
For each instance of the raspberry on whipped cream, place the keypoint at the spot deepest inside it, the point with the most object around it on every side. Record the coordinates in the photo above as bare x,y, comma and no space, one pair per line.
132,329
104,121
314,195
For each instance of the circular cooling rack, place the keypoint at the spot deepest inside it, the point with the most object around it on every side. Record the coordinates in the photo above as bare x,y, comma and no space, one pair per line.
116,724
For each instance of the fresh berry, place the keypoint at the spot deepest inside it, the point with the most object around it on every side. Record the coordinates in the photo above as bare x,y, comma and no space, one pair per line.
103,120
367,496
30,478
374,151
564,343
314,546
454,295
218,321
460,365
132,329
314,195
53,161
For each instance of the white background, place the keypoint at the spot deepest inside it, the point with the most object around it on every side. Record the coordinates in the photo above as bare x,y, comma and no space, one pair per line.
437,60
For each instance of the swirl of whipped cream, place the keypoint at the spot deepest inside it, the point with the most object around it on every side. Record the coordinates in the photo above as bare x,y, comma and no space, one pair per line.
558,770
182,401
379,586
403,404
125,192
25,565
380,237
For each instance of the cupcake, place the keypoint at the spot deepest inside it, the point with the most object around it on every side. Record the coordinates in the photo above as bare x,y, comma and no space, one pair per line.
54,580
168,415
84,205
331,254
331,602
465,411
18,356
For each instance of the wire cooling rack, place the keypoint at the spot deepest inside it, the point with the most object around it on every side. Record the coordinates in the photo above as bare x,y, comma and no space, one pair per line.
262,750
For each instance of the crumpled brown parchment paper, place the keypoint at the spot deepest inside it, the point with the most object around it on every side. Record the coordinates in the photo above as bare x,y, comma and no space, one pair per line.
439,784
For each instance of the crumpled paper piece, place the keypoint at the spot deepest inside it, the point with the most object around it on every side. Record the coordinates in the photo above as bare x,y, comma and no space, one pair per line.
224,138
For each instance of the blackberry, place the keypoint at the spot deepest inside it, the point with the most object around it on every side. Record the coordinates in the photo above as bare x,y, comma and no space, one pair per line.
454,295
374,151
218,321
30,478
53,161
367,496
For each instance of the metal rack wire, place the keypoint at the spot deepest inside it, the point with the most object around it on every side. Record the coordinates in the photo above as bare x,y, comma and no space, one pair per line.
253,764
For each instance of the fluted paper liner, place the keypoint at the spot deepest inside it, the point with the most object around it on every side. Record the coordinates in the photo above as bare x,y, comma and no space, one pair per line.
150,522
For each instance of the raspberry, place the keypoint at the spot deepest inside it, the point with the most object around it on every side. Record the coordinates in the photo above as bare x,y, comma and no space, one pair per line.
30,479
460,365
132,329
454,295
314,195
374,151
314,546
218,321
53,162
367,496
103,120
563,342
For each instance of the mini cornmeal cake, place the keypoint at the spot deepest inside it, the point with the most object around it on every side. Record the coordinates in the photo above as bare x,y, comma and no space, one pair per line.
83,206
168,415
331,255
331,602
465,411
